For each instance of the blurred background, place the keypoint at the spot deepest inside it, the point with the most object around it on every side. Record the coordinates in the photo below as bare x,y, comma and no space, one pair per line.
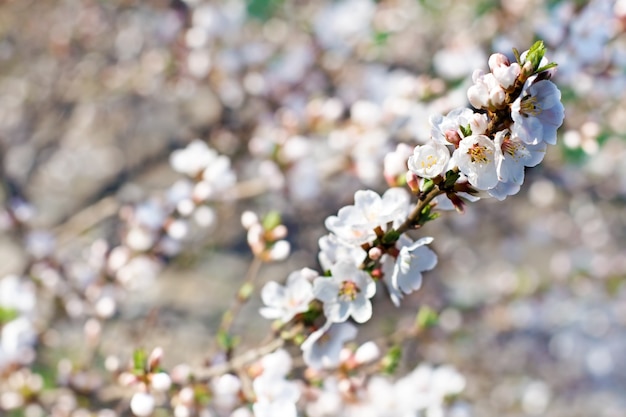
306,98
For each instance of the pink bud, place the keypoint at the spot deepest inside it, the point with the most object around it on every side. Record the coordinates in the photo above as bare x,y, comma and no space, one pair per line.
453,137
155,358
497,60
413,181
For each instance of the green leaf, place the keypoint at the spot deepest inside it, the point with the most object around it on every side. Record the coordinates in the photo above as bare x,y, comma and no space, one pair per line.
7,314
226,341
426,318
391,237
139,360
547,67
391,360
428,186
535,54
451,178
466,130
271,220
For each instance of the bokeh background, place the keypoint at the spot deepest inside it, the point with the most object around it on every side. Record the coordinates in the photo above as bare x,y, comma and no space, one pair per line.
306,98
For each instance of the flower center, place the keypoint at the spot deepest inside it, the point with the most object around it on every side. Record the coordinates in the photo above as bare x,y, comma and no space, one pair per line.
429,161
348,291
530,106
510,147
479,154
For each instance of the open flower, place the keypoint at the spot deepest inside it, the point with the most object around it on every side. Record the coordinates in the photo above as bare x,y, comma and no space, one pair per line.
430,160
537,113
475,158
513,155
322,348
284,302
346,293
355,224
404,274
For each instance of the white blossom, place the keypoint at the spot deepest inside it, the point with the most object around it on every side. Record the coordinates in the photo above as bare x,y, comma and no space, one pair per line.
333,250
403,275
322,349
346,293
429,160
355,224
284,302
537,113
513,155
475,158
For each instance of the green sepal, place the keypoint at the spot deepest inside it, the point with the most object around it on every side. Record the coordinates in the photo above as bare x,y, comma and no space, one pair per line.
391,360
451,178
426,318
271,220
391,236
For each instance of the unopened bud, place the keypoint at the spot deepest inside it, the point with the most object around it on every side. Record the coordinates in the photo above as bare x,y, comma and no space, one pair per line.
367,352
248,219
374,253
142,404
413,181
497,60
155,357
161,381
279,232
453,137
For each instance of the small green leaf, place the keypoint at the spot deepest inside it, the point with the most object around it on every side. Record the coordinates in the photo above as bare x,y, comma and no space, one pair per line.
426,318
245,291
271,220
391,360
547,67
226,341
428,186
391,237
535,54
139,360
7,314
466,130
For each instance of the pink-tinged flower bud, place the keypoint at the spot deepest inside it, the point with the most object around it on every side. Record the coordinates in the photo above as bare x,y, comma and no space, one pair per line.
126,379
453,137
497,96
277,233
374,253
181,373
155,357
496,60
413,181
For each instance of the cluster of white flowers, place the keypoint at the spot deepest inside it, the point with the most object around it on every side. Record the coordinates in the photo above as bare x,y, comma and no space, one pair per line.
472,153
517,112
